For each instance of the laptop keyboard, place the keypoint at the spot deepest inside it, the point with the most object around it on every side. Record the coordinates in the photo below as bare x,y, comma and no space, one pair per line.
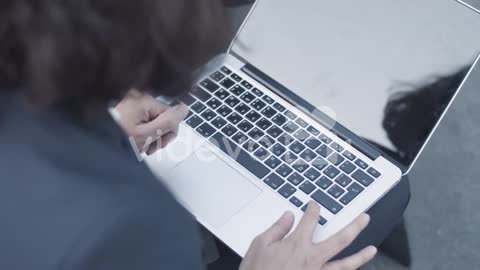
274,144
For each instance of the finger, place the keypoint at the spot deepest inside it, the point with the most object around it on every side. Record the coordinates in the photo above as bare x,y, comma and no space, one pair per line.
166,122
338,242
308,223
353,262
154,107
278,230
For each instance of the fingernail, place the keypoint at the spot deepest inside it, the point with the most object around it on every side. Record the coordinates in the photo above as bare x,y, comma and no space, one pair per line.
287,215
372,250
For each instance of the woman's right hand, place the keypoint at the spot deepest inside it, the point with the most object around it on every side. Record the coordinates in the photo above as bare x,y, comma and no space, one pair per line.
274,250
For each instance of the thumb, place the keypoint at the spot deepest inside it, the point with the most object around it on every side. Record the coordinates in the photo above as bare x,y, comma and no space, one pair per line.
279,229
166,122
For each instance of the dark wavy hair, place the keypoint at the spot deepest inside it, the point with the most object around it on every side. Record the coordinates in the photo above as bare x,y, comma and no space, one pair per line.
412,113
81,53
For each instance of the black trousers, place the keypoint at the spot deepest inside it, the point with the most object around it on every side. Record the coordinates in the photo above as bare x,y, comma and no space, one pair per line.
385,215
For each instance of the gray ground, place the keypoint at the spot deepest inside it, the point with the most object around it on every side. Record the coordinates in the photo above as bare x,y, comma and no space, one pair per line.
443,219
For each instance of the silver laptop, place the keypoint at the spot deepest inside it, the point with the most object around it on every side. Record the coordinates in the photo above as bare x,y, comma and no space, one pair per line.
330,101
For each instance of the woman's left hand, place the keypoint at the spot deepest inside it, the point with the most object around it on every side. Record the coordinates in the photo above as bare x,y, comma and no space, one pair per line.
152,124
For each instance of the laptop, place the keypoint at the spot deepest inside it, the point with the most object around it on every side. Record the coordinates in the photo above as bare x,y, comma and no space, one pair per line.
330,101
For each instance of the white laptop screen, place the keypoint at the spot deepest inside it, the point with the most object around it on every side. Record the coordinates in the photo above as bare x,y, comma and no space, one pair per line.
385,69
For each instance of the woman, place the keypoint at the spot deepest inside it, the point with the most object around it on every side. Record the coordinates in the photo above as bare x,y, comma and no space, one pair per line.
72,193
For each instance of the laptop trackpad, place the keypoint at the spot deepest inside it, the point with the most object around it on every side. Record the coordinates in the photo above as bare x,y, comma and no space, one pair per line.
210,188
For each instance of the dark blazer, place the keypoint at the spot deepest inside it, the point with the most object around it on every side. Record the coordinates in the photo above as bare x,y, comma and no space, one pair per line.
73,196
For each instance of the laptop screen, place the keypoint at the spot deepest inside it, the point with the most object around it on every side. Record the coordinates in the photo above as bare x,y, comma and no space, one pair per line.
385,69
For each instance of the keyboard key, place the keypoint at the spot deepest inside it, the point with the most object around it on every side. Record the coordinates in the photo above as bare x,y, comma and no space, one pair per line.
279,119
290,127
301,135
232,101
226,70
268,112
194,121
274,181
187,99
266,142
245,126
291,115
237,90
301,123
261,153
229,130
275,131
320,163
295,179
355,188
251,146
240,138
284,170
349,155
324,182
327,202
205,130
198,107
279,107
351,194
296,201
324,138
360,163
373,172
347,167
247,97
343,180
312,174
209,85
263,124
336,159
362,178
253,116
217,76
224,111
258,104
308,155
278,150
313,131
208,115
289,157
247,85
234,118
337,147
287,190
222,94
242,108
313,143
307,187
336,191
236,78
324,150
257,92
322,221
256,134
268,99
300,166
285,139
227,83
273,162
297,147
214,103
201,95
331,172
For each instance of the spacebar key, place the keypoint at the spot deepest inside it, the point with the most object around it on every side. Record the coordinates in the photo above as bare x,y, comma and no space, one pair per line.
241,156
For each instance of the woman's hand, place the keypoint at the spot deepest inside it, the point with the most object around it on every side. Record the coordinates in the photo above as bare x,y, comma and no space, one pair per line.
273,251
152,124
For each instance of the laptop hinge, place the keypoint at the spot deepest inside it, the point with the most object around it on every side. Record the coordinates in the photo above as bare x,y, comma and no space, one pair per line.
326,121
